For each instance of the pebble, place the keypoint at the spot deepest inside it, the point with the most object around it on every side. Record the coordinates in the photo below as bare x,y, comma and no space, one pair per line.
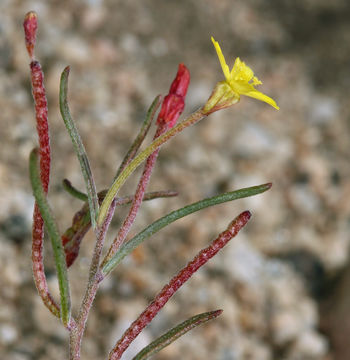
8,334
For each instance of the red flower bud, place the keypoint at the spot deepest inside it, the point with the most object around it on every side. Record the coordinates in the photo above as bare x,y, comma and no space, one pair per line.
172,108
174,102
30,25
181,82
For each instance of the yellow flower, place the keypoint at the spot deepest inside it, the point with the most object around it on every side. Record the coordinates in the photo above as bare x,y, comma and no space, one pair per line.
239,81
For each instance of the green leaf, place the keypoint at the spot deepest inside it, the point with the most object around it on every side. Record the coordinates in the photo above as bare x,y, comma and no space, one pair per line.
79,148
141,135
52,229
129,246
67,185
175,333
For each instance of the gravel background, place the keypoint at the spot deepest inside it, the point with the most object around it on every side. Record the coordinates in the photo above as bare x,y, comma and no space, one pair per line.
280,282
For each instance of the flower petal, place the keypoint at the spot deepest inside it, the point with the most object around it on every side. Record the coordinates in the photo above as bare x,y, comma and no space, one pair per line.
256,81
241,72
241,87
224,66
262,97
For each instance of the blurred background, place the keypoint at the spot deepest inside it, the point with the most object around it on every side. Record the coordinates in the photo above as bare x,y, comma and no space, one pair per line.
284,282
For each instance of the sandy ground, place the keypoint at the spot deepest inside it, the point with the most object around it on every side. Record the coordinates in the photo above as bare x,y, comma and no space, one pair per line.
275,279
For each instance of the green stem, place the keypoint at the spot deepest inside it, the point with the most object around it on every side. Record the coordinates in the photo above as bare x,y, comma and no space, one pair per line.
129,246
54,235
78,147
129,169
141,135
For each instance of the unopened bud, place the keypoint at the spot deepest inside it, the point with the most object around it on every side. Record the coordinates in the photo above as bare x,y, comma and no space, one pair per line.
174,102
30,25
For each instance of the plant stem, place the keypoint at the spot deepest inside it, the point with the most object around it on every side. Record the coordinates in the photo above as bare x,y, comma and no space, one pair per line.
141,135
95,277
112,192
137,200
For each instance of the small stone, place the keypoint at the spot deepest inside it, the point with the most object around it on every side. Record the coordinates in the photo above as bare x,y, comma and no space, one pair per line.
309,345
285,327
8,334
323,110
253,139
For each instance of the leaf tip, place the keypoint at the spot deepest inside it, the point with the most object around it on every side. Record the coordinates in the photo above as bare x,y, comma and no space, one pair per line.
239,222
245,215
34,153
217,313
268,185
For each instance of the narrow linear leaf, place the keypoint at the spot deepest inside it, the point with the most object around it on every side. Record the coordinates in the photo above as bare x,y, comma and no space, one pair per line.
54,235
141,135
129,246
78,147
176,332
67,185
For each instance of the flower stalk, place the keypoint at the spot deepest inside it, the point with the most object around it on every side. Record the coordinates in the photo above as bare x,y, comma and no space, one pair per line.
131,167
141,135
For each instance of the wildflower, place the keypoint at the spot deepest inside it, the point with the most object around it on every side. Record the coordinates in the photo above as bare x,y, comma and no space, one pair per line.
174,102
239,81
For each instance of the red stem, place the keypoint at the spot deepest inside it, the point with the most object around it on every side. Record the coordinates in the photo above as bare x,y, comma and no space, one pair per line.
95,277
176,282
138,197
